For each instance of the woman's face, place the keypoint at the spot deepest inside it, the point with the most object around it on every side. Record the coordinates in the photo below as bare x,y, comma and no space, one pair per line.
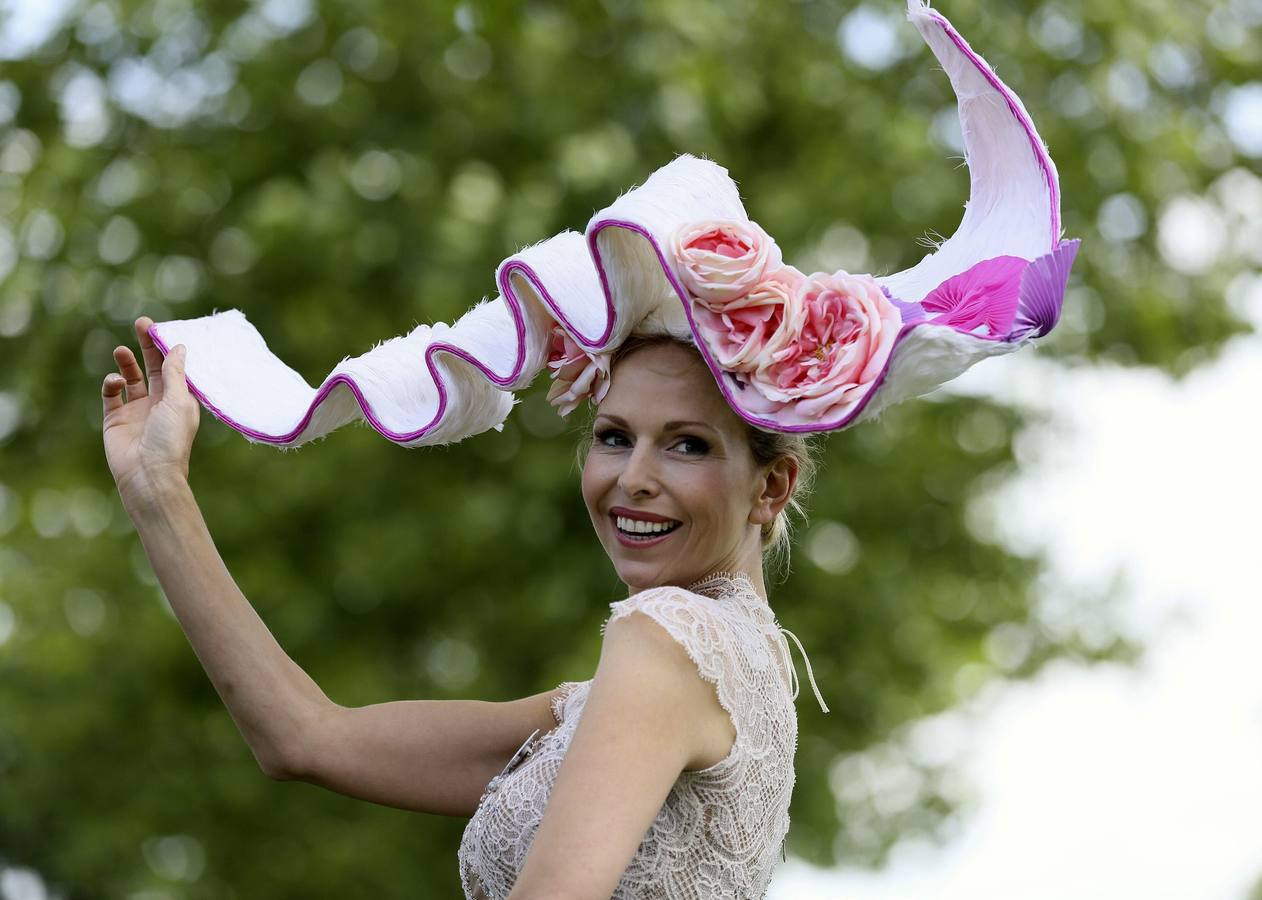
666,445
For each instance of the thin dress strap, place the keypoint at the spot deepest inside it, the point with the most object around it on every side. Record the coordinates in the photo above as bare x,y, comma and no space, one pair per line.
718,581
793,672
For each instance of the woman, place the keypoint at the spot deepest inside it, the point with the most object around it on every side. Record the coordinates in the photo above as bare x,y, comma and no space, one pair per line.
688,726
708,358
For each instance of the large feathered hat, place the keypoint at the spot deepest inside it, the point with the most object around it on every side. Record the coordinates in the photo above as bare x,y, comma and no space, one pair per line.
791,351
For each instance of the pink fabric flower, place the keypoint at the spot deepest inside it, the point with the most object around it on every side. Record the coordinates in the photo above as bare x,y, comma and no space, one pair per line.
846,336
751,329
576,374
721,259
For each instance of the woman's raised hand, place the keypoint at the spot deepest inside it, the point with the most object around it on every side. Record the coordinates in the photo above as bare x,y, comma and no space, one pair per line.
149,435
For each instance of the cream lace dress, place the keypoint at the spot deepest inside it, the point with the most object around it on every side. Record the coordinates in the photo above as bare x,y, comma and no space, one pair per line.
721,830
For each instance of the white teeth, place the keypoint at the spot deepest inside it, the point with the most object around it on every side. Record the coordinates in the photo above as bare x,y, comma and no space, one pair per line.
639,526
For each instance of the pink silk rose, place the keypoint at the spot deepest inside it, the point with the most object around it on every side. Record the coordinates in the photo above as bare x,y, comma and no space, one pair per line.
751,329
719,260
846,336
576,374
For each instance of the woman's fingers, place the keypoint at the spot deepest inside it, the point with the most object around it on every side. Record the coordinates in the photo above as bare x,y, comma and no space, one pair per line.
112,393
134,378
152,355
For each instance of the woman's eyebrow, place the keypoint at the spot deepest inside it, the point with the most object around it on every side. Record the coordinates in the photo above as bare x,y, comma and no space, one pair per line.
669,426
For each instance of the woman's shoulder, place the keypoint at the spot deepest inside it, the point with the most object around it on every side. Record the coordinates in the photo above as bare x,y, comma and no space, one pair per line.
713,630
692,619
730,614
678,610
668,595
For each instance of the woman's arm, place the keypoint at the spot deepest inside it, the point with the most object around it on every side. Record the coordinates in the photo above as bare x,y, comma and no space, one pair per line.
650,715
148,434
429,755
432,756
272,700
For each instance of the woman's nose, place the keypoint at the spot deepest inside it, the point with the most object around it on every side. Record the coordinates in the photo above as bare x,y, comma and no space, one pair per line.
639,476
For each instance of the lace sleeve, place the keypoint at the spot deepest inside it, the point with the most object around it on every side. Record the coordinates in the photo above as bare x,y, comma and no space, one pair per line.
563,691
707,637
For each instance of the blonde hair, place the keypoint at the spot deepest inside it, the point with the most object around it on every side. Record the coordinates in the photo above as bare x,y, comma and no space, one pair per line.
765,446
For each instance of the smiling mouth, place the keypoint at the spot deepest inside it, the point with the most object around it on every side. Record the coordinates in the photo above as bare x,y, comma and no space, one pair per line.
641,532
645,535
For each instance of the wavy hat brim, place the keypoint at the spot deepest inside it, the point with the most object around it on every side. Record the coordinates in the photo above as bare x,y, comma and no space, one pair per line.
440,384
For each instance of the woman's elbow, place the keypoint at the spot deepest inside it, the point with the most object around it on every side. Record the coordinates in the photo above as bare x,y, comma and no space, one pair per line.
278,766
296,757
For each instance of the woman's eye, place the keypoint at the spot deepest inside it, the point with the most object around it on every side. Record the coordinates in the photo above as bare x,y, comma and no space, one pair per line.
701,445
608,435
601,436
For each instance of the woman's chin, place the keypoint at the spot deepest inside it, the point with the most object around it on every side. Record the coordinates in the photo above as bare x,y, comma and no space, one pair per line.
635,573
639,575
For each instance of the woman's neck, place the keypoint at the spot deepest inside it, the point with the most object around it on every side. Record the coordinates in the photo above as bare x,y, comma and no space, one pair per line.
754,580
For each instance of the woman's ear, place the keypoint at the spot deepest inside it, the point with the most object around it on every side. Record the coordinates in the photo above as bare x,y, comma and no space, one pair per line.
774,488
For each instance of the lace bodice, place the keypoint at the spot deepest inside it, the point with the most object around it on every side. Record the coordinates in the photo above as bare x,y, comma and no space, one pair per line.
722,829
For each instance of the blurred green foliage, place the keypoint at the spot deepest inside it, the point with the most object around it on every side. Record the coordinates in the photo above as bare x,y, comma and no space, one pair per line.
343,171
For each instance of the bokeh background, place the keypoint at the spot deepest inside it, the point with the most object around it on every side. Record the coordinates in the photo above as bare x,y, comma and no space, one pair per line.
1031,600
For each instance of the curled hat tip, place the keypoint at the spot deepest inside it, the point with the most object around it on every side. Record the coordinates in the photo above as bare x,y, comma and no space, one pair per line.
917,8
